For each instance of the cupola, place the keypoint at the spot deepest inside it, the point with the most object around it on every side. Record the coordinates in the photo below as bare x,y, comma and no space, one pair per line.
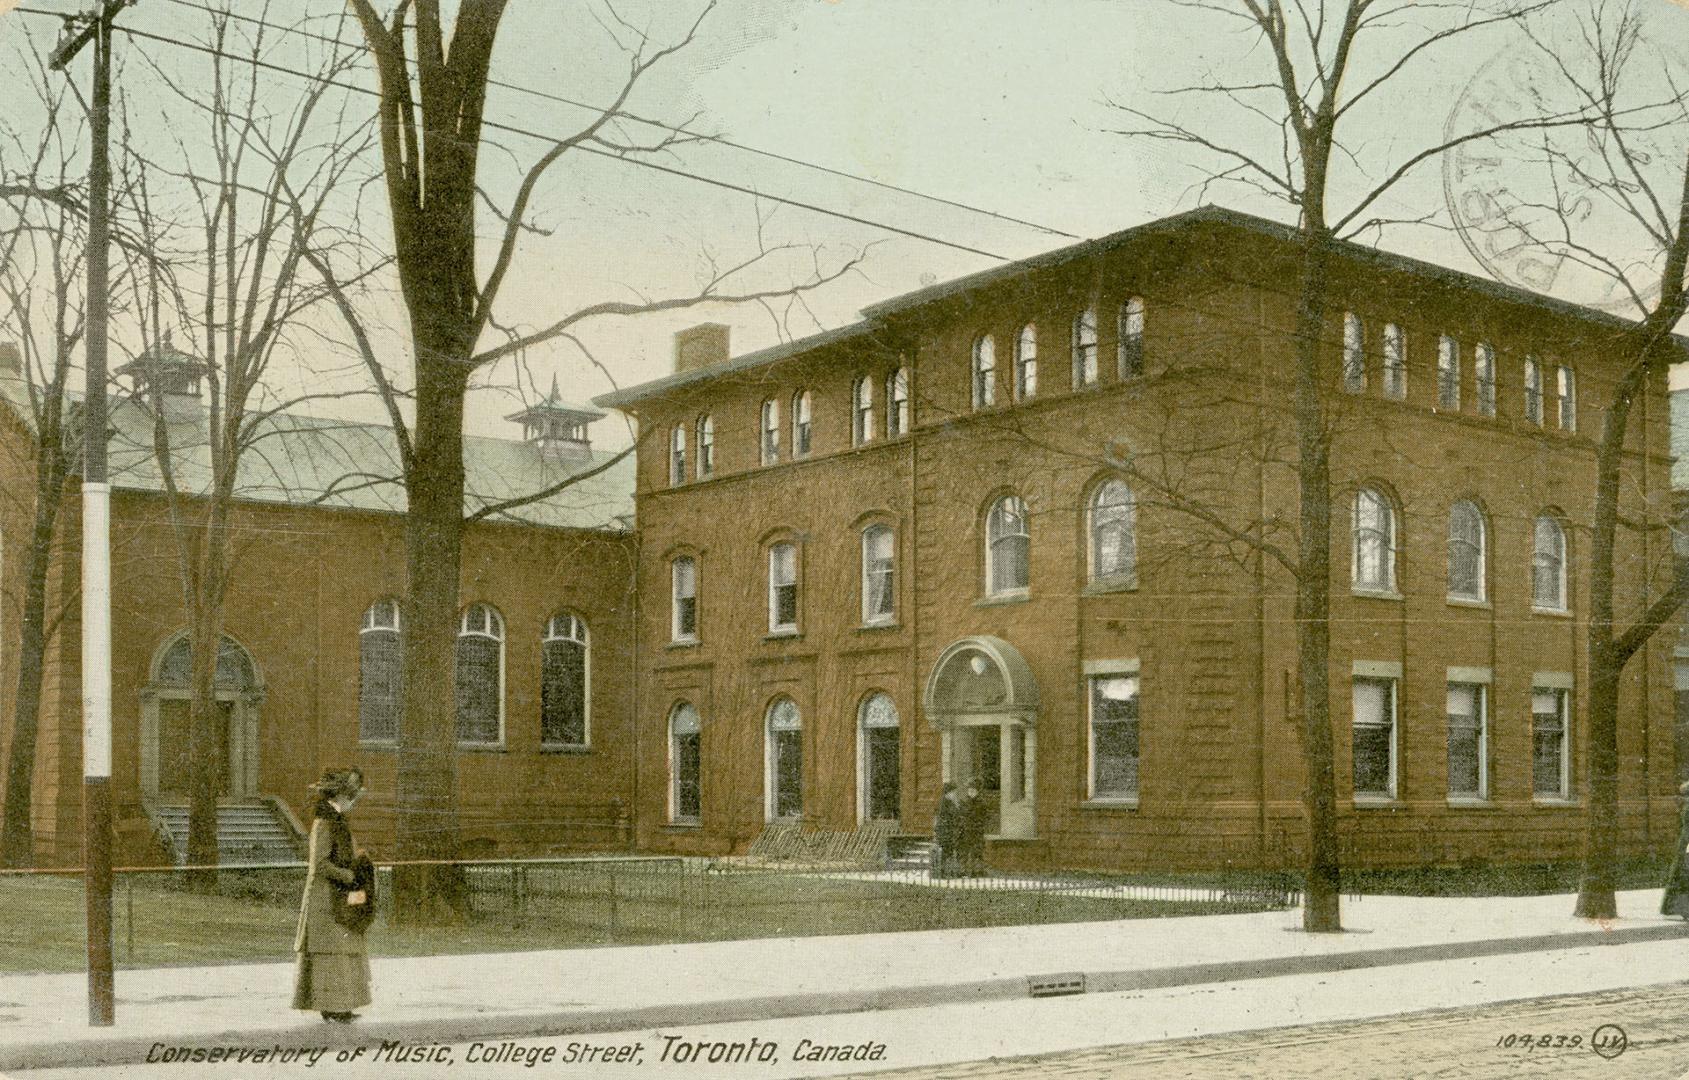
557,427
168,379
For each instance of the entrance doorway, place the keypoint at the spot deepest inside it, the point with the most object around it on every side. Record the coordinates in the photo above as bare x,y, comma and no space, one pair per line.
166,762
982,696
175,737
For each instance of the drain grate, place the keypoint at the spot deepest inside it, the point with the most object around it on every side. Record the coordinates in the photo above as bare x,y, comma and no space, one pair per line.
1055,985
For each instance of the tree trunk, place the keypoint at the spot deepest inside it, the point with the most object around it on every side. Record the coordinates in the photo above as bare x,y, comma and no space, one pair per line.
17,842
1320,910
204,636
426,825
1600,860
1600,870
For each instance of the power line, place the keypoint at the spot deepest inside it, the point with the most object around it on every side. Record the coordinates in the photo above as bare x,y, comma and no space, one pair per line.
717,139
726,185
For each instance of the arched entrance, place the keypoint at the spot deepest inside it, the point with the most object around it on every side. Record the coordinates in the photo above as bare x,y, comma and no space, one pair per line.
165,764
984,700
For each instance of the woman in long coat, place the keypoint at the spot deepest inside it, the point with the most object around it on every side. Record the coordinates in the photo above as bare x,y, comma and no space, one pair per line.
1676,901
333,968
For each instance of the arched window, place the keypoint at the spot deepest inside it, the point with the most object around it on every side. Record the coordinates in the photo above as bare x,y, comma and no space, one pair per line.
879,762
1354,353
770,431
1130,352
985,372
706,446
1007,547
1448,374
782,588
1085,348
381,672
565,682
879,575
1374,563
1466,552
683,599
480,676
1567,384
784,748
677,455
1112,526
1483,377
1026,363
1395,362
862,411
800,424
685,764
1548,565
897,403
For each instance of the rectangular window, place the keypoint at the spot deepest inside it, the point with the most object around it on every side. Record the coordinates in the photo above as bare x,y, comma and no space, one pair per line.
1395,362
1550,725
1354,353
770,432
782,588
1374,738
1483,373
1114,736
1448,374
1533,391
1567,385
1468,741
1129,359
685,601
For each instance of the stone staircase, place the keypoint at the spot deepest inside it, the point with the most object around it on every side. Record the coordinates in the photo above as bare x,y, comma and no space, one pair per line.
248,833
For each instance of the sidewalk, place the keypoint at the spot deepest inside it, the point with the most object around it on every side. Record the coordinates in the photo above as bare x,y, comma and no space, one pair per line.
43,1019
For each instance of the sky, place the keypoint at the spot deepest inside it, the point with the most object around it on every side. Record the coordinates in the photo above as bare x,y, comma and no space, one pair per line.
1007,106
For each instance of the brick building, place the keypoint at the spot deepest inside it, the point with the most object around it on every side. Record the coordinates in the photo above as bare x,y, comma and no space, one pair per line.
1031,530
1021,530
308,675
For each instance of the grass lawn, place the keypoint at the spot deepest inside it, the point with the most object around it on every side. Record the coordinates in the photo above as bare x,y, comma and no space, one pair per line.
156,925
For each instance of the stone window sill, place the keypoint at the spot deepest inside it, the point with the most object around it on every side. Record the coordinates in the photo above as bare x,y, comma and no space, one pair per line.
1020,596
1552,613
1470,802
1117,802
566,749
1377,802
1469,602
783,635
1375,594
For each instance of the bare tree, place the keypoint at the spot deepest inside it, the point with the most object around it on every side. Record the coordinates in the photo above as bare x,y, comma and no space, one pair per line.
43,230
1615,205
233,282
1297,137
433,89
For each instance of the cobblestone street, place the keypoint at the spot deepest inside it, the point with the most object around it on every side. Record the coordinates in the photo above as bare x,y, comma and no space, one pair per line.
1456,1043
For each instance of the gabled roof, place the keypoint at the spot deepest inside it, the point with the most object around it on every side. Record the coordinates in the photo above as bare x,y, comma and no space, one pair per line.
875,316
304,460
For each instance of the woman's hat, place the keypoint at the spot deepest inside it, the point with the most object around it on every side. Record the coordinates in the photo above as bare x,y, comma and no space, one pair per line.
338,782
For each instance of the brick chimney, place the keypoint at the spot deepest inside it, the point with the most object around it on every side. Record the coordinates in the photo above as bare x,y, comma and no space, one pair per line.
11,360
700,346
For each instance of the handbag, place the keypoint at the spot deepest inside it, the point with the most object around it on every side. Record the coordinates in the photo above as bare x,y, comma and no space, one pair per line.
356,917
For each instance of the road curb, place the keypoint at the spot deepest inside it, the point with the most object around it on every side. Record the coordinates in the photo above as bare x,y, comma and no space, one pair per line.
134,1049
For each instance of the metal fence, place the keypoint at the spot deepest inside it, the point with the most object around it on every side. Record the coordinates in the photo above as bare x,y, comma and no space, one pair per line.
249,912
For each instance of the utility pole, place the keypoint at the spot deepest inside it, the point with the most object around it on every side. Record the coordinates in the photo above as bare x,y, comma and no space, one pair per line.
96,26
